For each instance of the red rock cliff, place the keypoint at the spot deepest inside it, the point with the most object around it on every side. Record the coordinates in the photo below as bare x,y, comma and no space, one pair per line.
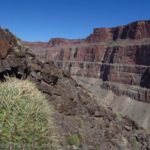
119,55
135,30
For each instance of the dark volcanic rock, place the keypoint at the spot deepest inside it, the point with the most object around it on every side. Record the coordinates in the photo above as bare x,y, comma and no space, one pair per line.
6,42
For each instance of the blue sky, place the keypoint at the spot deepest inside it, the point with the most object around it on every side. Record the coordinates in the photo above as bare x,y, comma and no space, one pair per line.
40,20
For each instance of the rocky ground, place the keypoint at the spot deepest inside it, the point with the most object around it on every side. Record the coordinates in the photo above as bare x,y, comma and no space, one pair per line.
135,110
82,123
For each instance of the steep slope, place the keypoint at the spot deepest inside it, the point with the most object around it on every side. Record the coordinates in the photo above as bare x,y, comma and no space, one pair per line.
116,55
76,113
136,110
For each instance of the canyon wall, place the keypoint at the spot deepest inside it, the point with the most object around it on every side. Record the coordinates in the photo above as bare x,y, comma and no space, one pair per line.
135,30
119,56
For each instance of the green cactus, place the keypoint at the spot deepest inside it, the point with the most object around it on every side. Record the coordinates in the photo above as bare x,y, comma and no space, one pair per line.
73,140
25,117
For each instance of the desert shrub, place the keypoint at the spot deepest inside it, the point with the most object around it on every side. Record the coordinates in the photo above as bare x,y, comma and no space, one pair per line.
25,117
134,142
73,140
118,116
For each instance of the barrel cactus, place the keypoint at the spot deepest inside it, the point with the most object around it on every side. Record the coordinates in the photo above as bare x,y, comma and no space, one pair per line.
26,120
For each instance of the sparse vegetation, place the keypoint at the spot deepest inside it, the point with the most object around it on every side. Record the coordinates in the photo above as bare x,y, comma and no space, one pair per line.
73,140
134,142
25,117
118,116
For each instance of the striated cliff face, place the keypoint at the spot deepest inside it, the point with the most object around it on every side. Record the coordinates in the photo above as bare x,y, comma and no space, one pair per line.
120,56
62,41
135,30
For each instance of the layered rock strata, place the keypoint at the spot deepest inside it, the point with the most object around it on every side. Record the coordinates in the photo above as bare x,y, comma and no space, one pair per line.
118,56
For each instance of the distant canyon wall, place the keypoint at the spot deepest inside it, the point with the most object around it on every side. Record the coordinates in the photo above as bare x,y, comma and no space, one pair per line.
119,56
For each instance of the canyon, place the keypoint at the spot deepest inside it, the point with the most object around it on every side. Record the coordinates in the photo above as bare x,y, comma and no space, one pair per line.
110,59
115,55
77,113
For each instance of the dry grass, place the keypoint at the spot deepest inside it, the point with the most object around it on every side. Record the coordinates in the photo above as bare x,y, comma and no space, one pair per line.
25,117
